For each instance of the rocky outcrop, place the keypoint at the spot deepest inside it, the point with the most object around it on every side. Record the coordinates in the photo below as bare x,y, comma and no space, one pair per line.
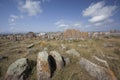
73,52
43,71
18,70
100,73
58,59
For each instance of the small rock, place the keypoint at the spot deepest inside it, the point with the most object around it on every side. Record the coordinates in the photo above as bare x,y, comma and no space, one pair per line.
30,46
45,49
63,47
108,44
67,61
73,52
18,70
102,61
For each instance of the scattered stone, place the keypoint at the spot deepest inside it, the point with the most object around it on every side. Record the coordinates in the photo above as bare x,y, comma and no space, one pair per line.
43,71
82,46
108,44
63,47
45,49
102,61
30,46
112,58
18,70
67,61
100,73
73,52
58,59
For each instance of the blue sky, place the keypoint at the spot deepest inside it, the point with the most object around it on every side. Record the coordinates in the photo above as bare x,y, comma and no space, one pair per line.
59,15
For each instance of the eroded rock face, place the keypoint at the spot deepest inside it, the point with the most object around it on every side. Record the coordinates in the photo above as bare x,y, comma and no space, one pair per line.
43,71
18,70
73,52
100,73
58,59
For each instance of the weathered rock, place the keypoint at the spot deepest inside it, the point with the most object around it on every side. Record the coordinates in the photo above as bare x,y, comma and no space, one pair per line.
63,47
102,61
100,73
45,49
58,59
30,46
82,46
43,71
73,52
108,44
18,70
67,61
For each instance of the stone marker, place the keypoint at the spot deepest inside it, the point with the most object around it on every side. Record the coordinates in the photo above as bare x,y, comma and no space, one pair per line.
18,70
100,73
58,59
43,71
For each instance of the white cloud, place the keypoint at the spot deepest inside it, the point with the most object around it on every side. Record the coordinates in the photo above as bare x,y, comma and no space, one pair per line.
45,0
99,12
30,7
13,18
61,24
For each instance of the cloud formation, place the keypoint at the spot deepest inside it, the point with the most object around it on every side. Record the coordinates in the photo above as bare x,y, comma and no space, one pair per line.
61,24
30,7
99,12
12,19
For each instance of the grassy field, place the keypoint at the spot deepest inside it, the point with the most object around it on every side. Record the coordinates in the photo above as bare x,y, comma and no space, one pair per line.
92,47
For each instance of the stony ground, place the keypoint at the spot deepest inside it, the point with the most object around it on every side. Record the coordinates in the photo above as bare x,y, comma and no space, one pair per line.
105,49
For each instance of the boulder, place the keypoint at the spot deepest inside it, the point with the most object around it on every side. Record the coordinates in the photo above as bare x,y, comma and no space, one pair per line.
100,73
73,52
59,60
43,71
18,70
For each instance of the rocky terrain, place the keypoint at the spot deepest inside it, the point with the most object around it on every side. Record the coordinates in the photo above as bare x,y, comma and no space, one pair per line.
35,59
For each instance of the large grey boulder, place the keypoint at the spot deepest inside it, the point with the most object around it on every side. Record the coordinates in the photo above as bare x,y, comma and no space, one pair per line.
43,71
18,70
58,59
73,52
100,73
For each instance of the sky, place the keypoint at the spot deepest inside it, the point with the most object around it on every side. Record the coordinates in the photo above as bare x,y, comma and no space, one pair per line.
59,15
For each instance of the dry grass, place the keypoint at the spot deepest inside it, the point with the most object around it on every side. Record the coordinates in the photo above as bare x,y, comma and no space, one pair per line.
16,50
